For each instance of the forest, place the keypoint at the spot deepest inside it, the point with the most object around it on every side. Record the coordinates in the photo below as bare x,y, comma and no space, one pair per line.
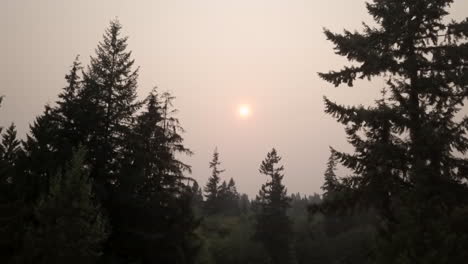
99,179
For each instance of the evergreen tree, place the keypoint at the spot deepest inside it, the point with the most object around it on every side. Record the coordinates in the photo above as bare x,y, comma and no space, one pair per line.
244,204
154,190
69,226
108,103
70,113
12,208
9,155
405,164
41,159
212,187
53,136
231,198
331,181
197,197
273,227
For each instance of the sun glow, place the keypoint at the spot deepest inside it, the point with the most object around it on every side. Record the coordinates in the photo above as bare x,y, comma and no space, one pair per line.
244,111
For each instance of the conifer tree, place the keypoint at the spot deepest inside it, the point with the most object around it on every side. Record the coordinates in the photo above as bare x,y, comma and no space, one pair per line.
9,155
212,187
154,189
244,204
273,227
70,113
108,101
12,208
69,225
405,164
331,182
42,159
197,197
197,192
54,135
231,198
231,186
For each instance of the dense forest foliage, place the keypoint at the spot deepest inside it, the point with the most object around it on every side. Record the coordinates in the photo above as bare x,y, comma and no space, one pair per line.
98,177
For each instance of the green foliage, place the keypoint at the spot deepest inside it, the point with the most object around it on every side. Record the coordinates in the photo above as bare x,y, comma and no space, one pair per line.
227,239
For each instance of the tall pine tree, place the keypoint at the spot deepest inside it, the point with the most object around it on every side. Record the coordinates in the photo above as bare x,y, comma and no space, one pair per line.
108,103
212,204
273,226
155,191
405,163
12,207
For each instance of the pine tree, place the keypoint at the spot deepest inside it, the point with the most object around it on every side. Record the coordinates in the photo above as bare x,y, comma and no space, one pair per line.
244,204
12,208
53,136
42,158
69,225
212,187
273,227
108,101
155,191
197,198
405,164
9,154
232,198
331,182
70,113
198,193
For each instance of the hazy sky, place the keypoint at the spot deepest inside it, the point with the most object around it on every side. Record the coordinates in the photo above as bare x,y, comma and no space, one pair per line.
214,55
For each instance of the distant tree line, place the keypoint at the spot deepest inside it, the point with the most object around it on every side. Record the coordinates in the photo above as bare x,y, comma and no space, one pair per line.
97,178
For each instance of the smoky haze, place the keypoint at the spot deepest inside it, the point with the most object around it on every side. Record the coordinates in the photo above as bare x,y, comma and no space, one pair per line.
213,55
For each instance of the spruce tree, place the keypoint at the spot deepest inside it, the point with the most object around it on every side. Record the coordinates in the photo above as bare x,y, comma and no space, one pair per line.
53,136
70,113
9,155
273,226
331,182
12,208
244,204
42,158
108,103
405,163
69,226
232,198
155,191
197,198
212,186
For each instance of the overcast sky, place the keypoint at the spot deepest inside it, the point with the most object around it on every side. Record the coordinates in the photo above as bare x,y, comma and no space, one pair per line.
213,55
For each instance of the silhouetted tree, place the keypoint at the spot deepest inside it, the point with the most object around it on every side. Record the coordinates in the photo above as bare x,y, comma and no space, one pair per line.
69,226
228,198
212,187
273,227
12,207
9,154
405,164
232,197
42,159
197,194
244,204
331,182
154,191
108,103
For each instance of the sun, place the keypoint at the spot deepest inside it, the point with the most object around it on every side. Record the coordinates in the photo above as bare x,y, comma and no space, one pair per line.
244,111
